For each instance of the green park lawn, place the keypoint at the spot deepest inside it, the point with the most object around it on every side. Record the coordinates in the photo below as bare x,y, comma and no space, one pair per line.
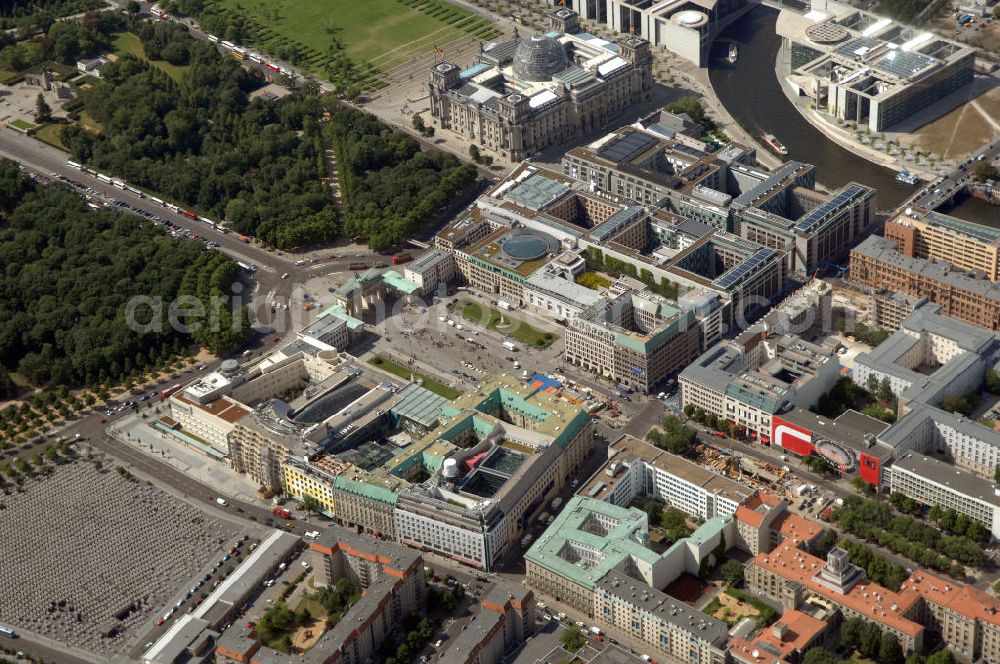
401,371
504,324
384,33
128,44
50,134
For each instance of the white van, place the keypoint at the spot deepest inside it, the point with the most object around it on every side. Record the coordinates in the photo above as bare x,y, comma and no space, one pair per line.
222,502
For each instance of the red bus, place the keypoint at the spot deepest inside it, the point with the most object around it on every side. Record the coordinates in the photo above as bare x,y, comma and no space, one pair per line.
170,390
358,266
399,259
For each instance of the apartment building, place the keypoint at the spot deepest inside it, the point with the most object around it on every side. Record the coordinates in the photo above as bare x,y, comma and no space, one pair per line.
635,338
877,264
393,585
934,482
673,630
528,93
928,234
505,620
636,469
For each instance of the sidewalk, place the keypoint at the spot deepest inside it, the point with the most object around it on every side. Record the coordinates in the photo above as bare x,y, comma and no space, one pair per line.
138,434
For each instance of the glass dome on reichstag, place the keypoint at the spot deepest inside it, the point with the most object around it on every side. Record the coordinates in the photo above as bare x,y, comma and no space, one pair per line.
538,58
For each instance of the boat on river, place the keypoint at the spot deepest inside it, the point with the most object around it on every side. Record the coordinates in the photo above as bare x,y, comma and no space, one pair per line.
772,142
734,53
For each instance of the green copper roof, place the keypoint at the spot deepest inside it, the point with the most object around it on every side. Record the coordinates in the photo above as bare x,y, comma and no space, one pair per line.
365,490
399,282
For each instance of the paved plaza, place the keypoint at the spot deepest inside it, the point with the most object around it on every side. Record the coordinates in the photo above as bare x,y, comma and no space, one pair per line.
89,556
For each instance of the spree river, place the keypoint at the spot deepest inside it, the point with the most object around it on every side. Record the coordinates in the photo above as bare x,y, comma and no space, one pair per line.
751,93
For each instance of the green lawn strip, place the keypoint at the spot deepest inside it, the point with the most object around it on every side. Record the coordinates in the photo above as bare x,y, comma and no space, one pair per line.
18,123
399,370
504,324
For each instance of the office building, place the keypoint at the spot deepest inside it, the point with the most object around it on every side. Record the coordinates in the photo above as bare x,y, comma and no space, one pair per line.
723,189
927,234
430,271
888,309
849,442
749,380
869,70
967,616
595,558
930,357
513,446
636,469
684,28
528,93
806,308
934,482
551,292
877,264
634,338
783,642
812,228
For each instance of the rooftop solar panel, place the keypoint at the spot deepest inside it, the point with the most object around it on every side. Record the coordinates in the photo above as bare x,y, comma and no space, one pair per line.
808,222
904,64
627,147
736,273
851,47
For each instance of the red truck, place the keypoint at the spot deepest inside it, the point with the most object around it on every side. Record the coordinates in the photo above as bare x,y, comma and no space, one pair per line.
358,266
399,259
170,390
189,214
282,512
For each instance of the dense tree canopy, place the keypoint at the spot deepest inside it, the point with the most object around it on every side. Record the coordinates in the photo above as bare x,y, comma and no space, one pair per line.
258,164
67,275
65,41
389,186
31,15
